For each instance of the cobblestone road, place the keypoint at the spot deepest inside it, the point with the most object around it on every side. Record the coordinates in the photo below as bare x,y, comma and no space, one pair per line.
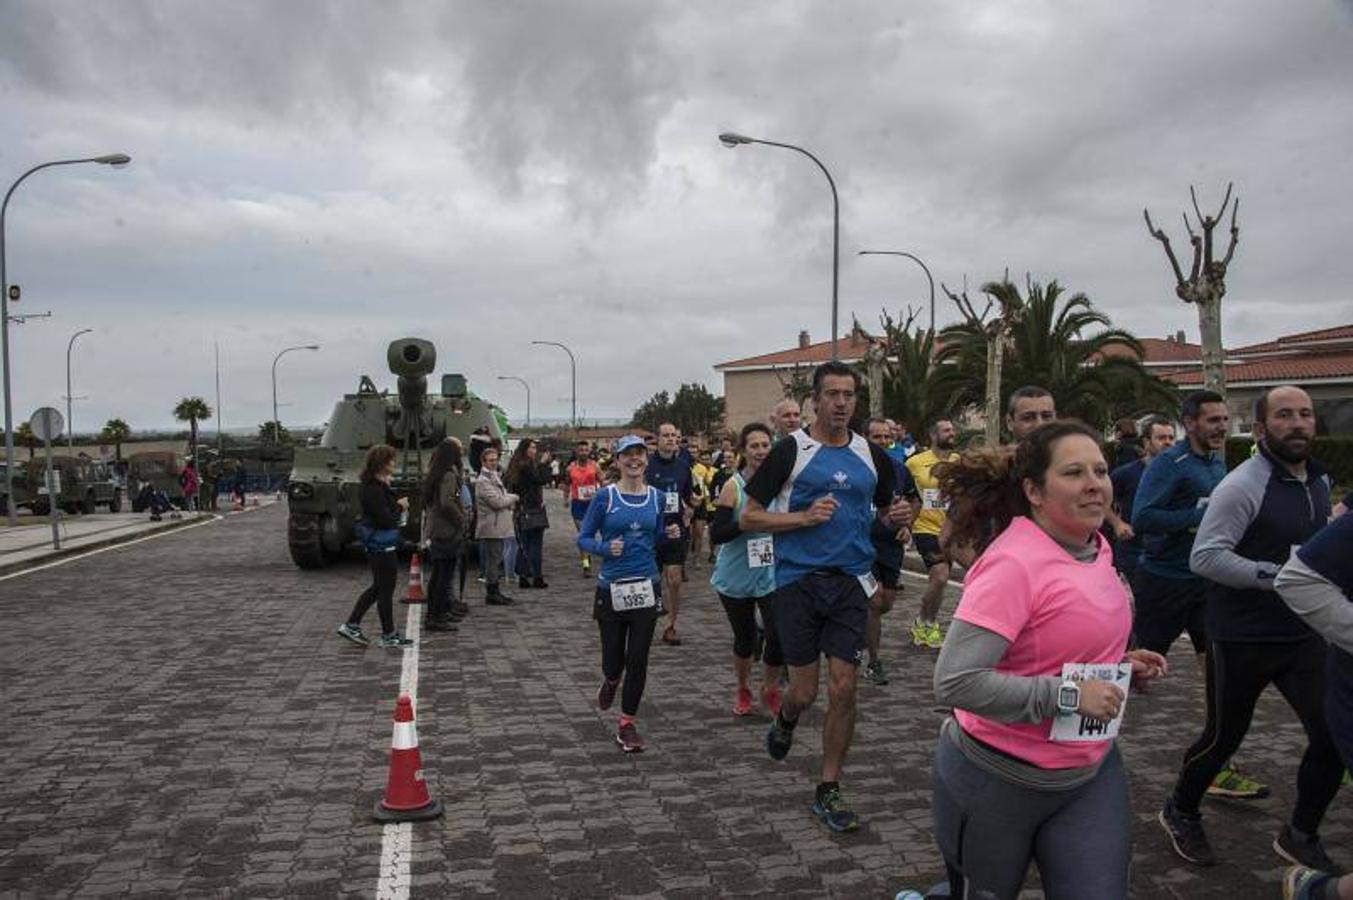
179,719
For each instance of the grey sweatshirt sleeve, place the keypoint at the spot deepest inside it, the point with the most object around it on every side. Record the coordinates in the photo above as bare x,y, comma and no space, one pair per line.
966,678
1319,601
1232,507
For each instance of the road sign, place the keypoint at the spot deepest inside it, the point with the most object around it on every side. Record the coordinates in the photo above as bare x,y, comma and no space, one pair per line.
47,424
14,293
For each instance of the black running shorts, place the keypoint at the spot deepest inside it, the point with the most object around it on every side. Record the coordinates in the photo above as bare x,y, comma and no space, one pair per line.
822,612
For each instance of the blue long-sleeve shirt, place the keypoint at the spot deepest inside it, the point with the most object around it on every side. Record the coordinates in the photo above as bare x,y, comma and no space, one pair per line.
634,518
1169,506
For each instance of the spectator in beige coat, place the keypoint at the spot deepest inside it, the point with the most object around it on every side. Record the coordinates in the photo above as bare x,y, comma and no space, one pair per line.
493,523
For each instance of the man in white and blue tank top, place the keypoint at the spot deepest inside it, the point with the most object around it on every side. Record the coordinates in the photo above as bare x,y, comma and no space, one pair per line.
818,492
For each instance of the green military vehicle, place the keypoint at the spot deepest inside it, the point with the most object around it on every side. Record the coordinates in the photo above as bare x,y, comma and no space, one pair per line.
82,485
21,493
322,492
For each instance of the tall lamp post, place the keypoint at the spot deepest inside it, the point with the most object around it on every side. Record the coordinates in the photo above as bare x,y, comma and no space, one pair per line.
573,367
924,267
111,159
70,427
732,139
522,382
276,424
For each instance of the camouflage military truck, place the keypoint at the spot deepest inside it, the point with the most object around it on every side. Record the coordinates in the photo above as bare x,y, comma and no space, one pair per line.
83,485
160,468
22,496
322,492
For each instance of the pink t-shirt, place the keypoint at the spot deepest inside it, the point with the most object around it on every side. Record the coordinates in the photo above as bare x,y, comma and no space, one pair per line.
1053,610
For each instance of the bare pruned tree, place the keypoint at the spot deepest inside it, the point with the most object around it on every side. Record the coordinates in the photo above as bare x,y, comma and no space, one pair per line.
997,329
1206,282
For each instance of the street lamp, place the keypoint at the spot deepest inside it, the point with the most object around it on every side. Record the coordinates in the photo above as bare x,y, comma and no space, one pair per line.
522,382
924,267
573,364
731,139
276,424
70,427
117,160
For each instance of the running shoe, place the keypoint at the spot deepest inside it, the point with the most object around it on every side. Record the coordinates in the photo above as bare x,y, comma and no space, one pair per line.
669,636
771,699
1307,851
934,638
1187,835
831,811
778,740
606,693
628,738
393,639
919,633
1301,883
587,567
1233,784
875,672
742,703
354,634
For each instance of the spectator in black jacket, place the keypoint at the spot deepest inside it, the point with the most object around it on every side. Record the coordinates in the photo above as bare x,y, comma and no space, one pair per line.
379,530
443,532
527,475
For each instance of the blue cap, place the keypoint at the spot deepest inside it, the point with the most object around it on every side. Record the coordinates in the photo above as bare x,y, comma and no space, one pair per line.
628,441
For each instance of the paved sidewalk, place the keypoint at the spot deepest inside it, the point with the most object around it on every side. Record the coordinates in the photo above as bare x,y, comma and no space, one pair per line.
179,719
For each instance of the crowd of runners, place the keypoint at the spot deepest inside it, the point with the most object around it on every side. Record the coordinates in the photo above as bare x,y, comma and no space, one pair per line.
1077,578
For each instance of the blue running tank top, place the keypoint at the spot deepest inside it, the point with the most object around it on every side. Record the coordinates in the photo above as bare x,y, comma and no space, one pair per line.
733,575
634,518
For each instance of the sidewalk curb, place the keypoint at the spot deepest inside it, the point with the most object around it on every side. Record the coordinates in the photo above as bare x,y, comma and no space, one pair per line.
14,568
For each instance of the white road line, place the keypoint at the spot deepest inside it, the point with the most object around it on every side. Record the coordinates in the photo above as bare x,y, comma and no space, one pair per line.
79,556
397,837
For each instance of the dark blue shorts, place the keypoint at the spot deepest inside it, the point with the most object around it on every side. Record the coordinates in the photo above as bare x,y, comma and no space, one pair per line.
822,612
578,509
1165,609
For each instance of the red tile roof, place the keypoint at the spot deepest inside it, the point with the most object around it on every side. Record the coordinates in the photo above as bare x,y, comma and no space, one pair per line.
1307,367
1300,341
1160,350
852,348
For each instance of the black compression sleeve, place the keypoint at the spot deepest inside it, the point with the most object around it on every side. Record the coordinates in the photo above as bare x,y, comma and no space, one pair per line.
724,527
774,472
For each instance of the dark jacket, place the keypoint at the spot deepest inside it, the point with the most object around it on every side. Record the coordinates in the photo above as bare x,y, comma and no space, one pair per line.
528,483
1257,517
446,517
379,509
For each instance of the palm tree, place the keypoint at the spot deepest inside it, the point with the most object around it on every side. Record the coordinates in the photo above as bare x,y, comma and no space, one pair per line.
192,410
1095,376
115,431
916,389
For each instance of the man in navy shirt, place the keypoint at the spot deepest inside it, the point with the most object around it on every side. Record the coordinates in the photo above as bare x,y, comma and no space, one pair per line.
669,471
1157,435
1269,505
818,491
889,542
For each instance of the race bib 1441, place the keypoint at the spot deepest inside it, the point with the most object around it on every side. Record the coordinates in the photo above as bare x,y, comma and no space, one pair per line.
760,552
1076,728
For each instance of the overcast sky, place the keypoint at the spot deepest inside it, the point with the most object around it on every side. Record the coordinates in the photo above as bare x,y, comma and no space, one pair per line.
485,174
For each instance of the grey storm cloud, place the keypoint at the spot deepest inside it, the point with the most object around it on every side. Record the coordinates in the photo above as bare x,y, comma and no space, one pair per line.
490,173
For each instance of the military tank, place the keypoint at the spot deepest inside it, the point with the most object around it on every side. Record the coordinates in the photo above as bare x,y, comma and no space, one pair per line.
322,491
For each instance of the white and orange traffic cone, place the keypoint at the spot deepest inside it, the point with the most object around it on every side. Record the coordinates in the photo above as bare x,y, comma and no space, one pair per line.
406,792
415,593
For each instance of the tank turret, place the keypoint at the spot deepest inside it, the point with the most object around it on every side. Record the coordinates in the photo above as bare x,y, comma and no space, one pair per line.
324,483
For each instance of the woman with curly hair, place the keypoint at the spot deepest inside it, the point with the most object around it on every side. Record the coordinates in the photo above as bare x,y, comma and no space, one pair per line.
1034,667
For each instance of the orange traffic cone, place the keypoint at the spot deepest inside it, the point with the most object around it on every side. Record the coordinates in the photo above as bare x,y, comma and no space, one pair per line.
406,793
415,592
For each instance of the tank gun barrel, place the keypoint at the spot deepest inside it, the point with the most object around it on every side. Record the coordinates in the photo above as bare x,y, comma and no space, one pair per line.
412,359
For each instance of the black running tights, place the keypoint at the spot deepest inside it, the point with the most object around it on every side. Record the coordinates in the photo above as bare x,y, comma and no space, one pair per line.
1237,673
384,573
742,616
624,650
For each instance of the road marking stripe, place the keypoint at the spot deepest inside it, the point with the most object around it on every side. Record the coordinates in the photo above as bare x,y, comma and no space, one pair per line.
397,837
118,546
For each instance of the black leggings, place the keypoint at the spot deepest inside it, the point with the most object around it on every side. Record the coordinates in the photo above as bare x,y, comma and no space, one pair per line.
384,572
624,650
1237,673
742,616
442,562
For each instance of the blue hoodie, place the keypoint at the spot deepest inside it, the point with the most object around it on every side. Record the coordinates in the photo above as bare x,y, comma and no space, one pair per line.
1169,506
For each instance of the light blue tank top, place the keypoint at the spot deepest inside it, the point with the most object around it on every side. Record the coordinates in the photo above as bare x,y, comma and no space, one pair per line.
733,574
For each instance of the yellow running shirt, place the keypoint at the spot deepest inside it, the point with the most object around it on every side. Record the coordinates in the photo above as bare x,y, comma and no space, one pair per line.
931,517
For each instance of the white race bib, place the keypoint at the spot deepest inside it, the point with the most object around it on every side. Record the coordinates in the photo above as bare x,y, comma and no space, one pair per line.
931,499
671,503
628,595
587,491
1076,728
760,552
869,583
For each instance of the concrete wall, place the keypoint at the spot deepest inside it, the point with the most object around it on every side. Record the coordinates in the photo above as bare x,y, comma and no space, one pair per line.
750,396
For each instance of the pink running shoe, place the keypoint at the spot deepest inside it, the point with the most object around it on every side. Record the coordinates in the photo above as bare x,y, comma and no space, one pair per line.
742,704
771,698
628,738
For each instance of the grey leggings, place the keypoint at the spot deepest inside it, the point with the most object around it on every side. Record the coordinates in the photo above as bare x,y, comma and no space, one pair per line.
990,829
